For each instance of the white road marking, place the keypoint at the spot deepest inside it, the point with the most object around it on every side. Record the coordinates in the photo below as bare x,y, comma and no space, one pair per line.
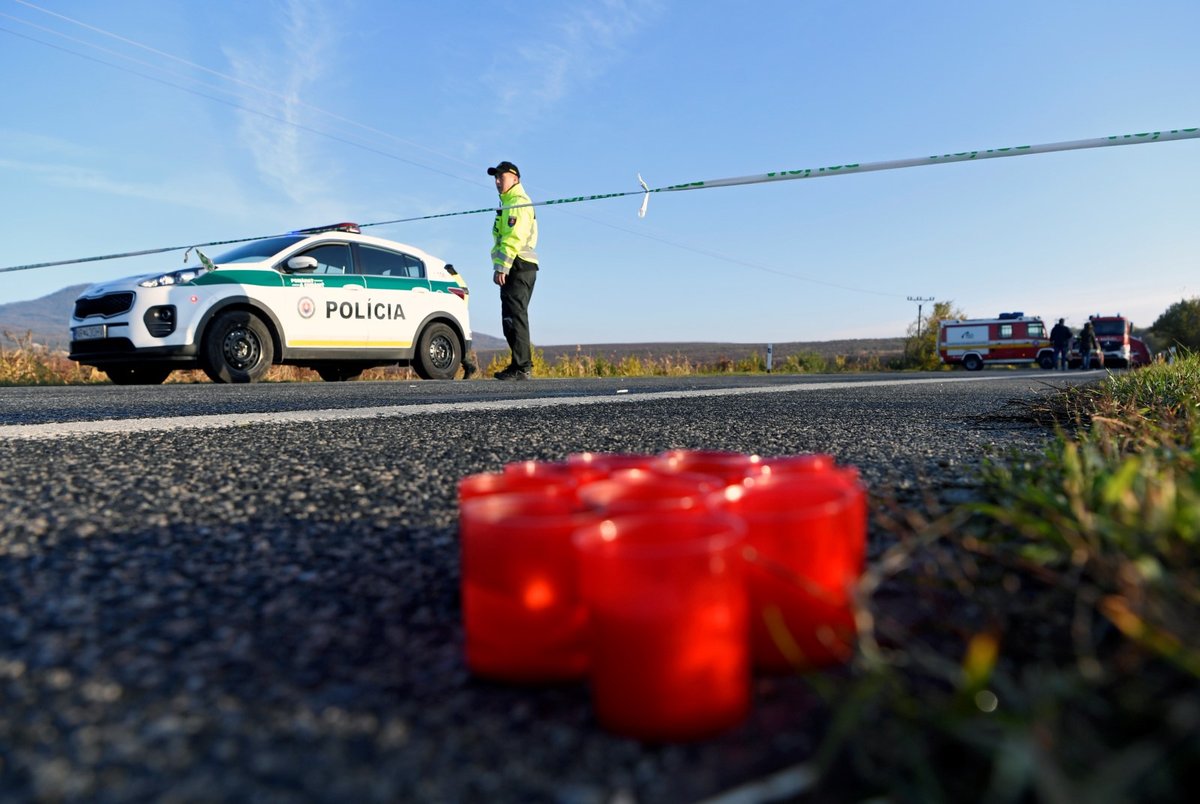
53,430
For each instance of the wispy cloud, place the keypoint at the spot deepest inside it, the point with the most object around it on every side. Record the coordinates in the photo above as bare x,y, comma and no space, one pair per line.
284,70
576,46
42,146
220,196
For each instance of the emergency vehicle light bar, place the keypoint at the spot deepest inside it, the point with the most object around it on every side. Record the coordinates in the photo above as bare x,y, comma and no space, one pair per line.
352,228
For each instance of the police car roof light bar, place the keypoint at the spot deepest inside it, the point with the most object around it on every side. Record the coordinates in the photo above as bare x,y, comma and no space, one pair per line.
352,228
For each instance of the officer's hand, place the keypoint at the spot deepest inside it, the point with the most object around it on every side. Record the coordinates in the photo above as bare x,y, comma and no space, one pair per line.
499,278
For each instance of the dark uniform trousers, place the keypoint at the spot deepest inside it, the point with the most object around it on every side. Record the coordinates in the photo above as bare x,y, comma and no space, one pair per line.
515,294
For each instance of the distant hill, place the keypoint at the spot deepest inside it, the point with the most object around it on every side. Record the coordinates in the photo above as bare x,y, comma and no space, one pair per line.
482,342
46,319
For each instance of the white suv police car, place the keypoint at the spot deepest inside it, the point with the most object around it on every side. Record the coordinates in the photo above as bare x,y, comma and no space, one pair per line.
330,298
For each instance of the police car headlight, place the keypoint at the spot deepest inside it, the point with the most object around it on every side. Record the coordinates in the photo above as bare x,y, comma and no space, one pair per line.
172,278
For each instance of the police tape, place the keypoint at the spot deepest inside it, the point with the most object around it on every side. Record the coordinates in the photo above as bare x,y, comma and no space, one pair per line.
762,178
842,170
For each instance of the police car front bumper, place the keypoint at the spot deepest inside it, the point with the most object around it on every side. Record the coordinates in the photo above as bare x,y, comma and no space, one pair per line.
108,351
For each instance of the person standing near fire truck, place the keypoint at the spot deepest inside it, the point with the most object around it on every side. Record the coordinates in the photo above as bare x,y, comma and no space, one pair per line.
1060,337
1087,345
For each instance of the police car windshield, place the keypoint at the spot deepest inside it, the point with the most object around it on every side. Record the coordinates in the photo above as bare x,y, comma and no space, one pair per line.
259,250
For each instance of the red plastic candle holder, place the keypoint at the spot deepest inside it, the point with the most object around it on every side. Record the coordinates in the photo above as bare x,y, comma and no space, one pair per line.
728,467
522,613
642,490
546,470
798,464
516,482
669,643
603,464
805,544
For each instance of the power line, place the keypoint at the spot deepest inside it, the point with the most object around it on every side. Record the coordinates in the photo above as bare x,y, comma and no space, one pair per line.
247,109
369,149
775,176
214,87
242,82
317,132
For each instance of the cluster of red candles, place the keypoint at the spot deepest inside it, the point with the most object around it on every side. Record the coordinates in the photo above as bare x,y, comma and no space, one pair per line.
661,579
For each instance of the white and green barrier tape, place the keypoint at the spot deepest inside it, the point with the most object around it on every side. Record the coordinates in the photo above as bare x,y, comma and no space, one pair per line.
761,178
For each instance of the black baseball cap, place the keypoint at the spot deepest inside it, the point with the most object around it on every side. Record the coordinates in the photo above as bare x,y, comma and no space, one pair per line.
504,167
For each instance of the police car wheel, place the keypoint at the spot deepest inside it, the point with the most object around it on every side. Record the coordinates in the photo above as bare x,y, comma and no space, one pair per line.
237,348
137,375
438,353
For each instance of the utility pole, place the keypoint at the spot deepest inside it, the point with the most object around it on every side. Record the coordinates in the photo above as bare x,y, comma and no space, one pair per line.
920,300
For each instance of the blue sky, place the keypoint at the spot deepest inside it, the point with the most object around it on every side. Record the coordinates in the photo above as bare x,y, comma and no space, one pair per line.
139,124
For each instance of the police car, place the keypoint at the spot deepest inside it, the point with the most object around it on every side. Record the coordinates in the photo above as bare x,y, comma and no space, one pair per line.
331,298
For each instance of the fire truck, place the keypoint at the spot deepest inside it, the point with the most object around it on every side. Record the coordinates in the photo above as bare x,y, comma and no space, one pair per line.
1010,338
1115,334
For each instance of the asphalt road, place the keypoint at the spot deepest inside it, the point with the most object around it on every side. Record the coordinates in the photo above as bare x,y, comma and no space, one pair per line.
251,592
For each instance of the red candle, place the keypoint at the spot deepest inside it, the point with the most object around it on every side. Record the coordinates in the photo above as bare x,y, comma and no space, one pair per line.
729,467
806,536
515,482
602,464
798,464
826,466
638,490
543,469
522,614
669,642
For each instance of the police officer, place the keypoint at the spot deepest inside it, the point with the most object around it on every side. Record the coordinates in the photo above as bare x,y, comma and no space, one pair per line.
515,266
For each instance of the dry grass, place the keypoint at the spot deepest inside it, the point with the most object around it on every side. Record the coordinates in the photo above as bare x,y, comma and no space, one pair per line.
582,364
24,363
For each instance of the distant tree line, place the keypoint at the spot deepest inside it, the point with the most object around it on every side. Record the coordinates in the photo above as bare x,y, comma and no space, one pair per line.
1179,326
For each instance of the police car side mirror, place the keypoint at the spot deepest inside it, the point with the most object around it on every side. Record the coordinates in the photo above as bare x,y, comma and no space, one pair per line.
302,264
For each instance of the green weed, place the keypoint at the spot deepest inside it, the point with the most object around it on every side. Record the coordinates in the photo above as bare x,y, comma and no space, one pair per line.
1042,642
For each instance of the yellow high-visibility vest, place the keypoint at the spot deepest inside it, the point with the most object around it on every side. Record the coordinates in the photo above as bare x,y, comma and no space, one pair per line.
515,231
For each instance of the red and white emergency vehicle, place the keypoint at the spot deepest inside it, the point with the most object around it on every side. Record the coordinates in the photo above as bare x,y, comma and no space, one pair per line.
1009,338
1120,347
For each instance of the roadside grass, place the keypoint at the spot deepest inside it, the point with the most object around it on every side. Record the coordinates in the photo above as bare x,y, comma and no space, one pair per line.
1041,642
582,364
24,363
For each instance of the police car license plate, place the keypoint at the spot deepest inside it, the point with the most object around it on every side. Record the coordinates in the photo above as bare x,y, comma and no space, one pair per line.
89,333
